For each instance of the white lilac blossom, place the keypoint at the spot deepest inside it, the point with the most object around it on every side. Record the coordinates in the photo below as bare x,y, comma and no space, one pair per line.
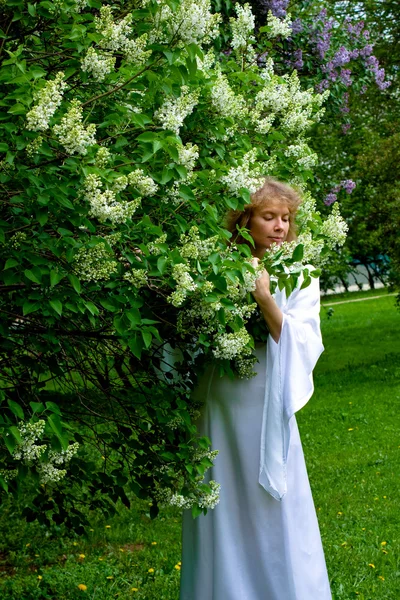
243,176
115,35
206,63
174,111
279,27
80,5
28,450
194,247
143,183
71,132
303,154
104,205
48,99
102,157
184,284
98,65
135,51
166,497
231,345
335,228
225,101
242,27
33,147
190,22
188,154
153,247
94,264
137,277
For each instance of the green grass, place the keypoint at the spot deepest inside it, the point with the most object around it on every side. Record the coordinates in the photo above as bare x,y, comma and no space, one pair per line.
350,433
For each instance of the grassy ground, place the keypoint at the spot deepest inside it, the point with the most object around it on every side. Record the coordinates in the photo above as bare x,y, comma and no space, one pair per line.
352,446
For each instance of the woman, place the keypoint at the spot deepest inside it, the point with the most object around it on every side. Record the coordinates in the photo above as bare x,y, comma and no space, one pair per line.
262,540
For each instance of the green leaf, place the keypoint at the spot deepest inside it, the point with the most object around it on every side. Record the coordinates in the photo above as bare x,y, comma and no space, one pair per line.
56,305
55,423
162,263
29,307
10,442
15,432
55,277
298,253
196,511
30,275
16,409
147,337
76,284
53,407
11,262
37,407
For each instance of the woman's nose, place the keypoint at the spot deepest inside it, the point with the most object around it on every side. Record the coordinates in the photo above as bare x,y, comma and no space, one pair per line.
278,224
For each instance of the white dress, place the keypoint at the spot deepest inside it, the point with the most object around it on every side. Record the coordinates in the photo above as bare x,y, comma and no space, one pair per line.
262,541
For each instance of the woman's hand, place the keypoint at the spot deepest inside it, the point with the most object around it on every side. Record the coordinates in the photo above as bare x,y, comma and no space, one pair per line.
262,292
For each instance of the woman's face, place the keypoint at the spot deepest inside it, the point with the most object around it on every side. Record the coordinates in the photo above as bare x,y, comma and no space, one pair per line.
269,224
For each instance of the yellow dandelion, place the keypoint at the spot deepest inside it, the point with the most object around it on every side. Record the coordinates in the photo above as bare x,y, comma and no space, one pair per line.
383,543
344,544
381,578
177,567
384,551
350,429
151,570
179,563
122,549
371,565
110,577
385,497
101,558
134,589
91,529
108,526
74,543
27,545
340,513
103,457
81,556
154,543
39,577
37,555
82,587
363,528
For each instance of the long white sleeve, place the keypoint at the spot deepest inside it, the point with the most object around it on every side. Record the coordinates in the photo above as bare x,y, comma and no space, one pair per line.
289,382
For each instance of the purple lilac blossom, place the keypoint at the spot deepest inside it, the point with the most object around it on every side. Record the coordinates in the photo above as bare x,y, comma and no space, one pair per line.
330,199
277,7
348,185
297,26
341,58
297,62
366,51
345,77
373,65
321,86
345,128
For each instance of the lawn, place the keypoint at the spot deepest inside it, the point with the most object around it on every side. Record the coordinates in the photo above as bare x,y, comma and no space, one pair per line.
350,432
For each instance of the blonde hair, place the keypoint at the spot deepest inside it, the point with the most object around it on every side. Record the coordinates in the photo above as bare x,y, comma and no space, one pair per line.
271,191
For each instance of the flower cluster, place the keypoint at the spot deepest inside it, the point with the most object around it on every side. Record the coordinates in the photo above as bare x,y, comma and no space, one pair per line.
153,247
95,264
174,111
98,65
231,345
72,134
194,247
33,147
48,100
30,452
335,228
188,154
102,157
143,183
244,176
184,284
208,500
278,27
224,99
347,184
104,205
190,22
137,277
243,31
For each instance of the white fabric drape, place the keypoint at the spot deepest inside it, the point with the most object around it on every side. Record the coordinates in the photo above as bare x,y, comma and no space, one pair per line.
289,382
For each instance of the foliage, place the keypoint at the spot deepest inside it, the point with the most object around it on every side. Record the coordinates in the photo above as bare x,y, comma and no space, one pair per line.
126,136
